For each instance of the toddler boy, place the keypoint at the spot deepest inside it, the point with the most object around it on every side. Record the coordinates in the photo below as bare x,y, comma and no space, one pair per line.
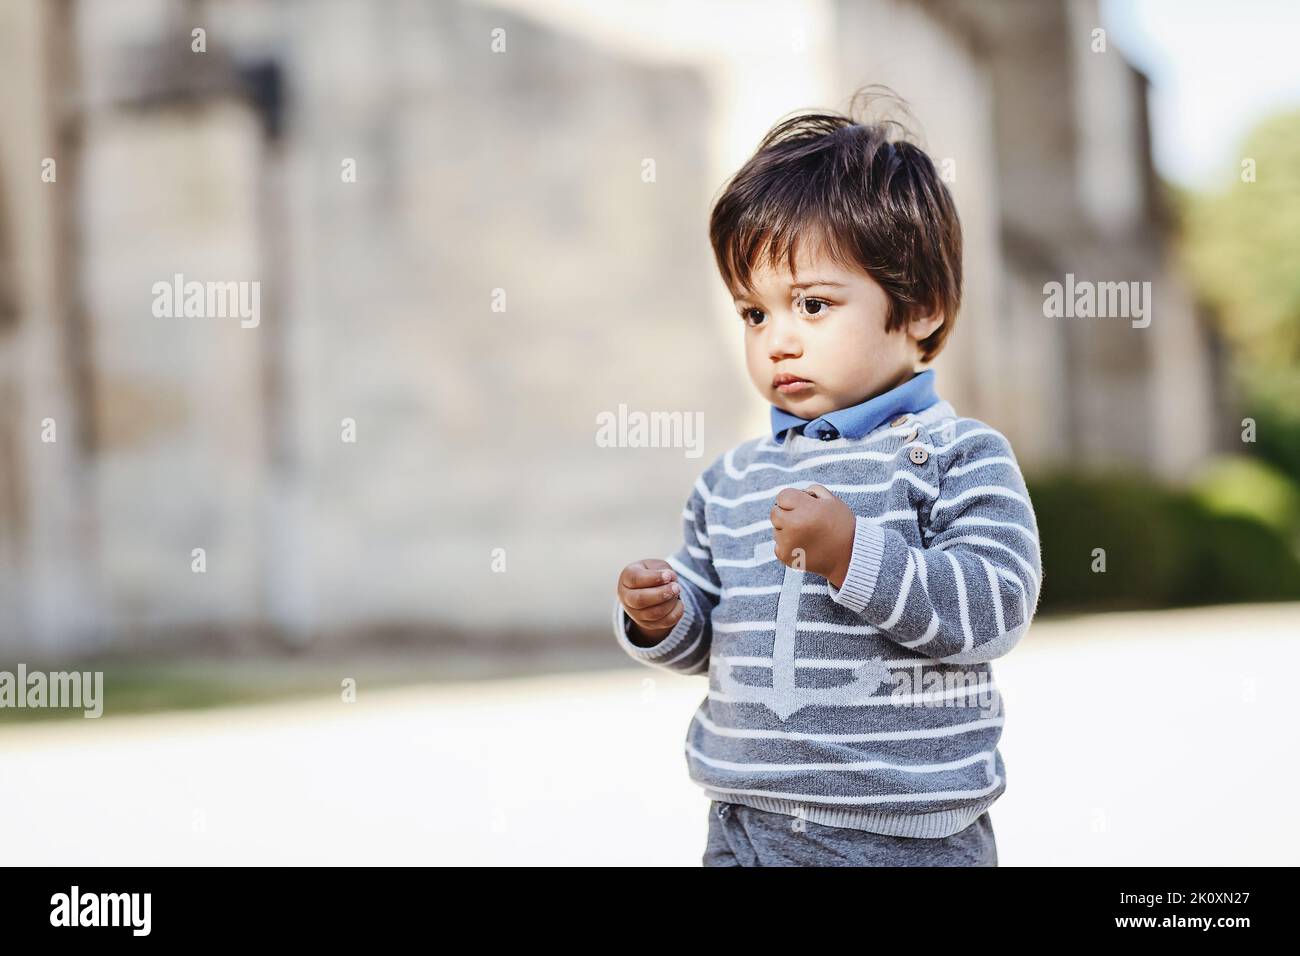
847,577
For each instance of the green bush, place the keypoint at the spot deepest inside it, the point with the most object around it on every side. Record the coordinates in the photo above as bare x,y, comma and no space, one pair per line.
1277,436
1163,547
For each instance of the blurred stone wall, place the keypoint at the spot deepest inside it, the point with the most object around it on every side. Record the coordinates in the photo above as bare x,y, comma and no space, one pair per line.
482,178
1049,143
475,502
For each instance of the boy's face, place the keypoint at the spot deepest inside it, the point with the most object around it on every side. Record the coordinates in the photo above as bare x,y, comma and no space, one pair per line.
836,346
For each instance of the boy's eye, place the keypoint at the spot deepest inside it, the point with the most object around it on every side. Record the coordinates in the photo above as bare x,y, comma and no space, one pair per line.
811,307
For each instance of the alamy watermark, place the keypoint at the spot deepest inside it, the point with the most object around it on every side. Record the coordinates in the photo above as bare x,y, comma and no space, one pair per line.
626,429
1102,300
209,300
82,690
947,687
75,908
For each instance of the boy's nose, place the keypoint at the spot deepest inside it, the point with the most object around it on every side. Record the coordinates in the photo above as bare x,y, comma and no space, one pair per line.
784,340
784,345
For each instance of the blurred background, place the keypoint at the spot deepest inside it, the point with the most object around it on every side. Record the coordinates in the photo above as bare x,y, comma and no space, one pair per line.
477,227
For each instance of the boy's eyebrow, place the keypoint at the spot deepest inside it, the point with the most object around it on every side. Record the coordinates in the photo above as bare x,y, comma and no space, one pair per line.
804,285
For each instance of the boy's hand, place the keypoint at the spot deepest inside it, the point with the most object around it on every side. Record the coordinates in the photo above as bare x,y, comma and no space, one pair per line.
814,532
651,596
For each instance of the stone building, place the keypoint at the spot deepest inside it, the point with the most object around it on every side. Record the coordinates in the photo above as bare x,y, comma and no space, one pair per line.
462,259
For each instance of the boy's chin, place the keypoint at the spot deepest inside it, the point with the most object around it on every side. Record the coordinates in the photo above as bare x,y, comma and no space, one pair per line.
805,406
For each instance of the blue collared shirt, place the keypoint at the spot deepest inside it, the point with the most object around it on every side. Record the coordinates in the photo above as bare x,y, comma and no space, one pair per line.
914,395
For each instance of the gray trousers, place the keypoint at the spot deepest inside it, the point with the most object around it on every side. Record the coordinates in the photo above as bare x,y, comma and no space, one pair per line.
743,836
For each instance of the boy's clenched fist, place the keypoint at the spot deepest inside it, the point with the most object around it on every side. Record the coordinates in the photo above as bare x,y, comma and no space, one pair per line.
814,532
649,592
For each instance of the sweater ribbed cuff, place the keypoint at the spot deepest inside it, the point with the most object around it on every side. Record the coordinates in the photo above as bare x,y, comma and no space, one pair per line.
669,644
864,567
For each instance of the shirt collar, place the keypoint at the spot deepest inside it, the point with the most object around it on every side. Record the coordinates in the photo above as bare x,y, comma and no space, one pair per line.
914,395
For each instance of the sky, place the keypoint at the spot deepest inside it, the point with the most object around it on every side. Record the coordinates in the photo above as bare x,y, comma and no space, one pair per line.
1216,69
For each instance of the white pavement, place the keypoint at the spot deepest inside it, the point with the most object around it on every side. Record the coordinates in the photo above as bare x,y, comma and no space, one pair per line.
1131,739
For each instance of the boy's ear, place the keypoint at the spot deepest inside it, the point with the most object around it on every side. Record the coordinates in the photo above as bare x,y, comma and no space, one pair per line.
920,327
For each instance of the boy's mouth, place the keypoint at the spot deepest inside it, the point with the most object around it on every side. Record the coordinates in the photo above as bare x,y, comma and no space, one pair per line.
788,384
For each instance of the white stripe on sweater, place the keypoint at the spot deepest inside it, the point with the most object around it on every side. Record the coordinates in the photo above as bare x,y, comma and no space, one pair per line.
929,634
817,627
924,733
963,608
962,437
995,491
840,663
746,590
904,590
979,463
857,766
818,460
975,520
743,531
875,798
980,541
753,562
907,476
995,593
766,524
706,586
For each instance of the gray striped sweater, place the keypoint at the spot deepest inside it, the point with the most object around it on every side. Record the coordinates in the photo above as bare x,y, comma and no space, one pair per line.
870,706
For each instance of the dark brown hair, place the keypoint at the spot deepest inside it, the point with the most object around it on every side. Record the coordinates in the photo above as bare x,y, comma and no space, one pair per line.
860,190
